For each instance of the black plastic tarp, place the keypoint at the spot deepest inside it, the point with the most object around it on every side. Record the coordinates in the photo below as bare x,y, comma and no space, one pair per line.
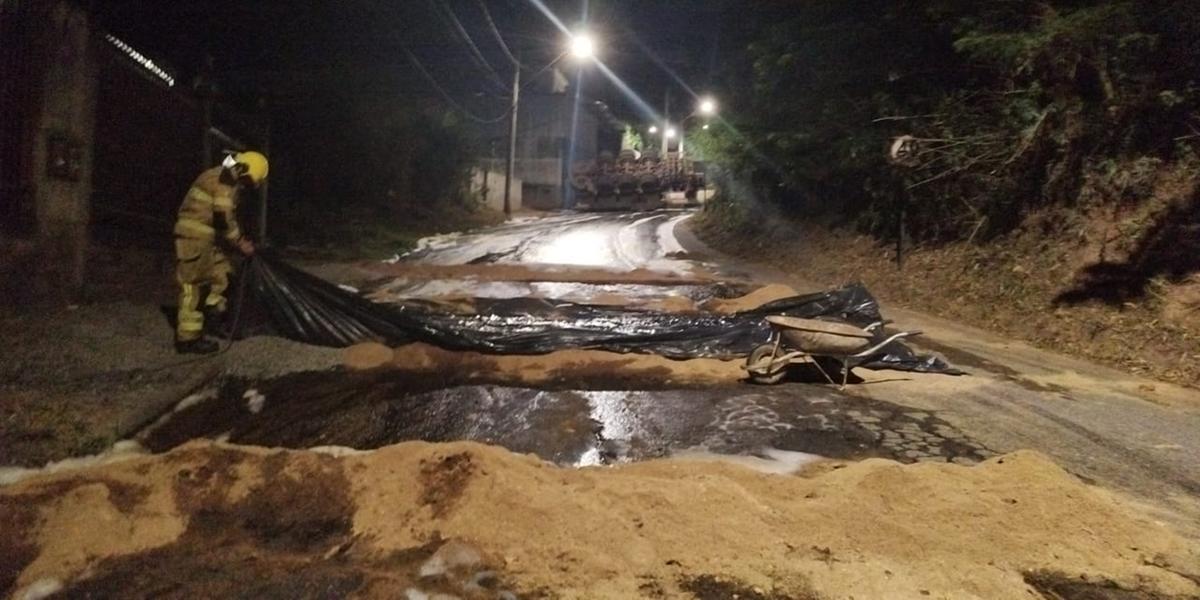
287,301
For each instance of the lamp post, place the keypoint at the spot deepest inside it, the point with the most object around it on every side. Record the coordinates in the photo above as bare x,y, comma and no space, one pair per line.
581,47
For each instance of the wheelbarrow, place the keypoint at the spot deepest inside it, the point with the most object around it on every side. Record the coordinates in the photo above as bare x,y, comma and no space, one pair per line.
795,340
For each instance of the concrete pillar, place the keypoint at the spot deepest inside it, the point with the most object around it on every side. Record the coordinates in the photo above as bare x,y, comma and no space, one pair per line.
66,49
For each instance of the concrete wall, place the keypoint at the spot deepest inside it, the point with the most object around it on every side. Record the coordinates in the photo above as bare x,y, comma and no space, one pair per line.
65,49
531,171
543,131
488,185
539,181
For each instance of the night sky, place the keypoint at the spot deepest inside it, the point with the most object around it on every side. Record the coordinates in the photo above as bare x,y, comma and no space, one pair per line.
316,51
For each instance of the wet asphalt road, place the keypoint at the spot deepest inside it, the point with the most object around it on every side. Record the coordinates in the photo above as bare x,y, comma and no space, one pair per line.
616,240
569,427
574,427
1097,423
1139,437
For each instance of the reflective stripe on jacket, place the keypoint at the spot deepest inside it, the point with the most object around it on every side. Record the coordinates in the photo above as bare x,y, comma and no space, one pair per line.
208,205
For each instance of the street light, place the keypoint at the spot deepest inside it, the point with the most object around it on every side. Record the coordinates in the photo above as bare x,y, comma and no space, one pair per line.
582,47
707,107
670,133
653,129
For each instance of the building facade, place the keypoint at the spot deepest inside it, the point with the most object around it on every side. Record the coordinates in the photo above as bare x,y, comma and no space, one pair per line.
547,123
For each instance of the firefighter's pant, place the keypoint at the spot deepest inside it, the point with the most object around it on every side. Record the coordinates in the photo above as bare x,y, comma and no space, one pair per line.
199,263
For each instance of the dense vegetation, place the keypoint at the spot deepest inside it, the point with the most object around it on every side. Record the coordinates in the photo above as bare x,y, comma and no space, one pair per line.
375,176
1017,104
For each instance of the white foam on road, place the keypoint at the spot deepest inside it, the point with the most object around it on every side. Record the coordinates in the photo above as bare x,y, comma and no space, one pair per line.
667,242
122,450
620,243
590,247
772,461
463,247
638,249
451,288
630,247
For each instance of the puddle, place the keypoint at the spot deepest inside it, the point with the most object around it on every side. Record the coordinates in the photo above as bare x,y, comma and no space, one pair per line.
781,427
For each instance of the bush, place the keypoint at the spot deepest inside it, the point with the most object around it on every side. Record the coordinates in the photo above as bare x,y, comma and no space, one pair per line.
1016,105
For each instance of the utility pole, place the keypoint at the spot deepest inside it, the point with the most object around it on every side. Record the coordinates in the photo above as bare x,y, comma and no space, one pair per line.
666,141
512,137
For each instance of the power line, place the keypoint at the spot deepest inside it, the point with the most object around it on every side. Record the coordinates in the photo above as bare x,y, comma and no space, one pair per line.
476,55
446,95
374,5
487,15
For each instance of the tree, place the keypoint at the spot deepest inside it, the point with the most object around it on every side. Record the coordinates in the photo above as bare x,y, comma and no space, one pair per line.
1013,102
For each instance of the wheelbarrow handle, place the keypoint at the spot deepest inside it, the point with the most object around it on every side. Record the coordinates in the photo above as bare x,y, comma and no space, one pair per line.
876,347
877,324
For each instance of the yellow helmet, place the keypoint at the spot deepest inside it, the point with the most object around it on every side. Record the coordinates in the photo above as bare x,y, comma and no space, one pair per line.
254,165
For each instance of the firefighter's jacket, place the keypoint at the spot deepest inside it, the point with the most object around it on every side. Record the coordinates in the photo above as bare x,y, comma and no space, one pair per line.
209,208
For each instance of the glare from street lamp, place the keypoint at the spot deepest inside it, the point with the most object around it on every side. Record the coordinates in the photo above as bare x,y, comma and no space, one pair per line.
705,126
707,106
582,46
653,129
670,132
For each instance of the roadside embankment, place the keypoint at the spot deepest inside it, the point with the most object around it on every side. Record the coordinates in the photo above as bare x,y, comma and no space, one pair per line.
1039,284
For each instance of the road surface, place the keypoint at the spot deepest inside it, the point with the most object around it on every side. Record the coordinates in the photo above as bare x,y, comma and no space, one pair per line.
1135,436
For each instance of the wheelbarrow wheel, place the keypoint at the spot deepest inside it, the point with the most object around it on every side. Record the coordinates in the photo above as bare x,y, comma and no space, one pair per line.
767,374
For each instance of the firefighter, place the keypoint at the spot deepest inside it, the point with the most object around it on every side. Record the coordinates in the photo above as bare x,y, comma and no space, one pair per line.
210,210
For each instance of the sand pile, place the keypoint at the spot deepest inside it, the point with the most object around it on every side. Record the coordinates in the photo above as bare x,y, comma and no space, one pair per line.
207,520
366,355
578,366
755,299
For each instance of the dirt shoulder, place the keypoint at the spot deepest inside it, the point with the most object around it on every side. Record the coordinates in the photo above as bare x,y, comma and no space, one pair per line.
77,377
1013,287
75,380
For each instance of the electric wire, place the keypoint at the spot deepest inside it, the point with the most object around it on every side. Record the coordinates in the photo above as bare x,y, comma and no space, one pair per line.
450,99
476,56
375,7
487,16
446,95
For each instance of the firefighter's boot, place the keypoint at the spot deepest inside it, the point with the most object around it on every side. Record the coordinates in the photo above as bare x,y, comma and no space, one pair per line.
216,322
